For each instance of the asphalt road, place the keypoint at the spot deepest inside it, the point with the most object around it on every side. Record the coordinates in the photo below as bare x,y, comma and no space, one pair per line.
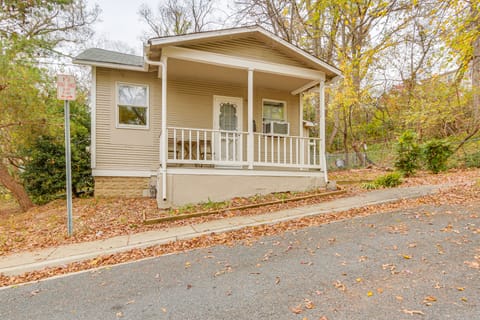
411,264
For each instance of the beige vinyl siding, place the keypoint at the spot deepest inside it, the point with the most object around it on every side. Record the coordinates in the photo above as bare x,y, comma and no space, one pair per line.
250,48
190,105
121,148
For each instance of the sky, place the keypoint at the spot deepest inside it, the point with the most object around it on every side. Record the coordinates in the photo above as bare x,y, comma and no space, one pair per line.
119,21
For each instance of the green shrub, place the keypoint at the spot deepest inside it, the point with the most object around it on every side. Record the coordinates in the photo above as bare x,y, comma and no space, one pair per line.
390,180
435,154
408,153
44,174
472,160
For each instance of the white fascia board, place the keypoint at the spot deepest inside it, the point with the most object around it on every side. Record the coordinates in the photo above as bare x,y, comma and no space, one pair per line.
123,173
112,65
305,87
165,41
241,63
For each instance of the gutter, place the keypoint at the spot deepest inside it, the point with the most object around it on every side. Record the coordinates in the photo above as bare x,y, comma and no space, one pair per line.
163,142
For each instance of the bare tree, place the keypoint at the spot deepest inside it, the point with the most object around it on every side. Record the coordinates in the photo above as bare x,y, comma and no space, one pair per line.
178,17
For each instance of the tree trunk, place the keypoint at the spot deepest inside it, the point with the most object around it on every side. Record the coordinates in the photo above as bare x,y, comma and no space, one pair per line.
15,188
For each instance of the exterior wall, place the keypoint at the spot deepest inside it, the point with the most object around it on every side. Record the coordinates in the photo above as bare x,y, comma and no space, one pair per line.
129,187
250,48
187,188
190,104
120,148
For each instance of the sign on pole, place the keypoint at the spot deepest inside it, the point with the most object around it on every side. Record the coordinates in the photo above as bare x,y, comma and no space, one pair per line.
66,90
66,87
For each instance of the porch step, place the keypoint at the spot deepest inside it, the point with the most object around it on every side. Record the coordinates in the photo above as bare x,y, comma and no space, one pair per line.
249,206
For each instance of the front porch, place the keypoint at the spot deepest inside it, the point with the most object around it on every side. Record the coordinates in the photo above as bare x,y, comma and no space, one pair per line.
230,149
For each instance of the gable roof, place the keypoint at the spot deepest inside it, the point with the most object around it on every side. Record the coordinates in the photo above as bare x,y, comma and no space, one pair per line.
108,58
249,31
117,60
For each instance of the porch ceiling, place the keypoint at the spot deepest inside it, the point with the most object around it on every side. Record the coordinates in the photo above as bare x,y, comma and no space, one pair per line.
188,70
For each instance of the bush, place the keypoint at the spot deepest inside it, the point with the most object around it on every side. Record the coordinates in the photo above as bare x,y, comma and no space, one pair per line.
472,160
44,174
435,154
408,153
390,180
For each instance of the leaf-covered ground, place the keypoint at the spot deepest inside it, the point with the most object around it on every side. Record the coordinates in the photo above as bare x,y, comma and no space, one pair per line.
95,219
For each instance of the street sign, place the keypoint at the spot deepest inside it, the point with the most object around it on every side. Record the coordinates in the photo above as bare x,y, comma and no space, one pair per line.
66,87
66,90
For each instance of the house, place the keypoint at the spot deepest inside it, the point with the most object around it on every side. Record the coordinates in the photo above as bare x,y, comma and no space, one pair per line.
205,116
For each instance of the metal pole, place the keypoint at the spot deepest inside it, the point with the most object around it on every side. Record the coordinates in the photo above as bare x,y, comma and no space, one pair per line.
69,168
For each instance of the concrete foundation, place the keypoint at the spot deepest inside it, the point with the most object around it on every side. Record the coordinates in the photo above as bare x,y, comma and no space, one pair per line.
183,188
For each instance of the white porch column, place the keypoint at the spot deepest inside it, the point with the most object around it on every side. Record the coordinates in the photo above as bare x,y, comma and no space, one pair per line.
323,156
164,136
300,126
250,139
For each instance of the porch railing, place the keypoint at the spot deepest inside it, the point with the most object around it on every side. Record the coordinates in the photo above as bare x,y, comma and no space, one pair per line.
229,148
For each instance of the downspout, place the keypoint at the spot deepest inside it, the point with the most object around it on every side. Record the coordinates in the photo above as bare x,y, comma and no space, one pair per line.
163,157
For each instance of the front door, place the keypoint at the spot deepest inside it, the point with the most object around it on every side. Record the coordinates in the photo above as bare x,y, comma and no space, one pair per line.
227,123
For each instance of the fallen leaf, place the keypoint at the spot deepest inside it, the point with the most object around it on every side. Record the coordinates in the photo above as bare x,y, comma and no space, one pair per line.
309,304
297,309
380,290
406,256
460,288
359,279
119,314
34,292
464,299
339,285
369,293
187,265
277,280
412,312
164,310
323,318
399,298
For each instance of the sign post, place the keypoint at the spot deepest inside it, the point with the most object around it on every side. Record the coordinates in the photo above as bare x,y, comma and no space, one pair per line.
66,90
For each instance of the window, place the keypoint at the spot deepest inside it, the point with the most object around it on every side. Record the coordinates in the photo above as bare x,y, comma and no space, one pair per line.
274,110
274,117
132,106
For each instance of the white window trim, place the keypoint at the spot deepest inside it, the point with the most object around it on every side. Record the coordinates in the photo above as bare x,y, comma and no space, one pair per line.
276,101
118,125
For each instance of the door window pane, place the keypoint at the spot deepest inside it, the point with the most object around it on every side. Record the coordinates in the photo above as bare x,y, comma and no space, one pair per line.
228,116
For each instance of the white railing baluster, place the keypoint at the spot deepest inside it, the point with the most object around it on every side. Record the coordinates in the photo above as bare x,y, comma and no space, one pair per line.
259,147
205,145
234,147
314,153
174,143
183,145
189,144
309,158
290,150
265,138
197,136
297,152
284,150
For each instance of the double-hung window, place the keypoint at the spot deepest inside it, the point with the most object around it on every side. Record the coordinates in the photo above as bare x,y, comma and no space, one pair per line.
132,106
274,116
